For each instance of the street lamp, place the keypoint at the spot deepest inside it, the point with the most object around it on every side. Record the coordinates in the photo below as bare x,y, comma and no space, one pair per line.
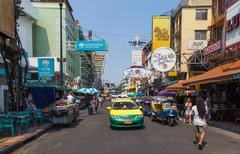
61,49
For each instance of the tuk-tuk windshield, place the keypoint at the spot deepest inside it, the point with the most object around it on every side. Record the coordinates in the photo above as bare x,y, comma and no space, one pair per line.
125,106
169,104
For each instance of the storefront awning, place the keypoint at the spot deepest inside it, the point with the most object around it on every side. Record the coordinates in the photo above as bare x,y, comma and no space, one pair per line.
221,73
177,86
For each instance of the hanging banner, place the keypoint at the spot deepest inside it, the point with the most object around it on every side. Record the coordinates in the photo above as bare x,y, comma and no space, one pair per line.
99,59
136,58
160,32
163,59
45,68
137,73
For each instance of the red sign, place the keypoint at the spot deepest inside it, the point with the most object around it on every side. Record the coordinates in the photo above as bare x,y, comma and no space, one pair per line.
98,58
212,48
234,23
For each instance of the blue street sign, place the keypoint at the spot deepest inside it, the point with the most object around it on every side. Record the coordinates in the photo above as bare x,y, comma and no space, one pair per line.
91,45
45,68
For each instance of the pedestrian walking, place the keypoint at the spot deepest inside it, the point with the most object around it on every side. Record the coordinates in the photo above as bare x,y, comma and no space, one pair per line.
95,103
199,114
188,109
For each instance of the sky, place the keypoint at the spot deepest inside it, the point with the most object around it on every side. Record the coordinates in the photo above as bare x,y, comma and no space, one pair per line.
117,22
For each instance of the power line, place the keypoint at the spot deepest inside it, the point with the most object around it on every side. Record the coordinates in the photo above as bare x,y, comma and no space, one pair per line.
114,34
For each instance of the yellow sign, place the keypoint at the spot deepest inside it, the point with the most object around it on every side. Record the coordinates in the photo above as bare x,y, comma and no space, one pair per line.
197,87
161,32
172,73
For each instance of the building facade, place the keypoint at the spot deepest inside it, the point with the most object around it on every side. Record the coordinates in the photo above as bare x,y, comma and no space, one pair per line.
190,31
47,35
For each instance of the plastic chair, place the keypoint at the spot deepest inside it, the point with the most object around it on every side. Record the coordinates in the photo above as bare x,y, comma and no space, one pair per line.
39,116
7,123
26,121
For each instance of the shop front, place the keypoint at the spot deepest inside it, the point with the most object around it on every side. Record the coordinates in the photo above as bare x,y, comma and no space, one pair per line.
222,87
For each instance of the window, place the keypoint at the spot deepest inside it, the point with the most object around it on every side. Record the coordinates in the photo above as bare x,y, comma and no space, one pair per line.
201,14
200,35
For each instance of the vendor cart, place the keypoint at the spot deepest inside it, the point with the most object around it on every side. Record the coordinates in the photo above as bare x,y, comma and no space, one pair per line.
64,112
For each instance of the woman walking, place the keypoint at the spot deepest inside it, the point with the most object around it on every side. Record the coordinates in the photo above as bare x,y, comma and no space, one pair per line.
199,113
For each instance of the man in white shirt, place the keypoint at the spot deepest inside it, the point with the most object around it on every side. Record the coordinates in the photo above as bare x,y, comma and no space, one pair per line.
70,97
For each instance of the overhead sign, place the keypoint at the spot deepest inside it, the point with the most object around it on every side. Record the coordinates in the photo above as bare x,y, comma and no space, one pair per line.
136,58
98,58
212,48
197,44
163,59
172,74
137,73
45,68
91,45
233,25
160,32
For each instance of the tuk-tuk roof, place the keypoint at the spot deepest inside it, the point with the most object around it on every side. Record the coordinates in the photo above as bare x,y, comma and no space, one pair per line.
118,100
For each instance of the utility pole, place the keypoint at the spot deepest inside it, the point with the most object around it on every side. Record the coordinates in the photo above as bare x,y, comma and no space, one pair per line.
61,48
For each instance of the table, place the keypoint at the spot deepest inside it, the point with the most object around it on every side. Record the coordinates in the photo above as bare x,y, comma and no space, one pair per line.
225,111
16,116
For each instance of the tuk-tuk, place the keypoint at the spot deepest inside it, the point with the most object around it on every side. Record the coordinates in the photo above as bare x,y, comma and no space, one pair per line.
164,109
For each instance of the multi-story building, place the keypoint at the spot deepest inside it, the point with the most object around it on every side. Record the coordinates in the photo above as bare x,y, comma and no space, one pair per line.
223,60
47,35
190,31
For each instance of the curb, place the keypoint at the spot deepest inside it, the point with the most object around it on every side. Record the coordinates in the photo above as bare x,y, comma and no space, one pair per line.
25,141
225,132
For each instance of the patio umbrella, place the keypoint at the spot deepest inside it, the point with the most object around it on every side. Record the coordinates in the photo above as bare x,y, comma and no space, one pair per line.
132,94
163,92
93,90
84,91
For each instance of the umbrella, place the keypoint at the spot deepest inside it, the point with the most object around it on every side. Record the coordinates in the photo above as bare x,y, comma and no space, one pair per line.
84,90
140,94
132,94
93,90
163,92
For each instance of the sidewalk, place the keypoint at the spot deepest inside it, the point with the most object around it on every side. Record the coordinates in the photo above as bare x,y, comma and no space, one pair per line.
10,144
224,128
235,128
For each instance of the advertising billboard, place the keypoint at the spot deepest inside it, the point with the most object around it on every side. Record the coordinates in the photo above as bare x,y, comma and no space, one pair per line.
99,45
161,32
136,58
233,25
7,23
197,44
137,73
164,59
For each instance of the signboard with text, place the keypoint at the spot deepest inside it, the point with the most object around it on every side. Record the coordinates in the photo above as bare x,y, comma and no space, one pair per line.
197,44
45,68
91,45
212,48
136,58
233,25
161,27
163,59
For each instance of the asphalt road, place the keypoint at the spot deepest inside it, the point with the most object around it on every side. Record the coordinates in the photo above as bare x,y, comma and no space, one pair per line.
92,135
